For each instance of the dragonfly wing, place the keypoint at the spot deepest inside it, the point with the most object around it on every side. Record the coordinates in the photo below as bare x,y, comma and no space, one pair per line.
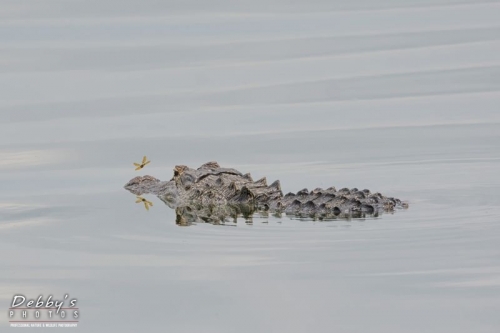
137,164
147,162
138,200
146,205
138,168
144,159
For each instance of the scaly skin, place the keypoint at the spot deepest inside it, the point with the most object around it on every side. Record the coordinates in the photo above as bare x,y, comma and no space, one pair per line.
212,194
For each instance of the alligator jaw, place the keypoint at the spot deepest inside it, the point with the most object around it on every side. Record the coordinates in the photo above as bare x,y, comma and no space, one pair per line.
141,185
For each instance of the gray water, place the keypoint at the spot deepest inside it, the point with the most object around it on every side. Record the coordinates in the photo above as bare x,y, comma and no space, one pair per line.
400,97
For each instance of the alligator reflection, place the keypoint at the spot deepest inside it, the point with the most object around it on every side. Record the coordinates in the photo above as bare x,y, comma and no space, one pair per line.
220,215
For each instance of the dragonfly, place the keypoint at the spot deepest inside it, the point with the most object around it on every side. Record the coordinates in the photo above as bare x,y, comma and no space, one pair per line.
147,203
143,164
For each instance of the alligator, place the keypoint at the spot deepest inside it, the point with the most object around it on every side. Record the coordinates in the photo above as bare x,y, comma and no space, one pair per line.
213,194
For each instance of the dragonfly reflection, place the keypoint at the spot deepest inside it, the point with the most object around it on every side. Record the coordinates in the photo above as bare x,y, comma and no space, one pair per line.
147,203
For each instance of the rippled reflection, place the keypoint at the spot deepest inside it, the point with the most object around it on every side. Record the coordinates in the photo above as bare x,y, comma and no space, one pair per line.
229,214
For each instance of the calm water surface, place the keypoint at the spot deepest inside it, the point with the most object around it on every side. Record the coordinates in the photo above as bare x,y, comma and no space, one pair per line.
399,97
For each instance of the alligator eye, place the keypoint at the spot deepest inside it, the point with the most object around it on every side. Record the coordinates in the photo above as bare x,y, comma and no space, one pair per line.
187,179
